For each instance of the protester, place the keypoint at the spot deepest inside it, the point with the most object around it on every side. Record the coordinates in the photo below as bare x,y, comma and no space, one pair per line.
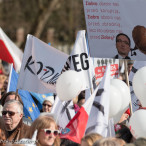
48,133
125,117
12,128
47,104
138,142
81,99
119,141
122,69
130,65
123,46
12,96
67,142
75,105
89,139
3,81
106,142
124,133
5,85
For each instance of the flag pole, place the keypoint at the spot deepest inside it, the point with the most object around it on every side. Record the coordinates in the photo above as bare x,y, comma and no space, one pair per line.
89,73
16,94
9,80
127,81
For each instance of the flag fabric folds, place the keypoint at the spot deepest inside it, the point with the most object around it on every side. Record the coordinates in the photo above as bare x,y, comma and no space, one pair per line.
79,59
9,52
99,115
75,129
64,112
30,109
41,66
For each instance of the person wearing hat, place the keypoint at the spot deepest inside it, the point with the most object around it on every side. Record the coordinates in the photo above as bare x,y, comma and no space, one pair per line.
47,104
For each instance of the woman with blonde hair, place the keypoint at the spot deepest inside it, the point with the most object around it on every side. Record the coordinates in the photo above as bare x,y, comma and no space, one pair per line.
89,139
48,133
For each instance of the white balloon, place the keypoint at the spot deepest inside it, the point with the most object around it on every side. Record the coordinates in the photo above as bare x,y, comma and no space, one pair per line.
137,123
139,85
115,101
124,91
68,85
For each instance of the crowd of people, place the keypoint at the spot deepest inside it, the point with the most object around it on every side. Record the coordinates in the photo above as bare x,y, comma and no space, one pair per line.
14,128
44,131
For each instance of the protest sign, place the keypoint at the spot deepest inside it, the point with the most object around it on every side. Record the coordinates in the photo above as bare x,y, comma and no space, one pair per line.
105,19
79,59
100,67
41,66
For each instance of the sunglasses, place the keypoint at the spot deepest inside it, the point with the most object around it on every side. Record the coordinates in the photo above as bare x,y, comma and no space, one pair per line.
47,105
48,132
10,113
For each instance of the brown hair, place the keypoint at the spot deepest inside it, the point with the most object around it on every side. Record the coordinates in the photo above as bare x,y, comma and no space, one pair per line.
91,138
43,122
10,93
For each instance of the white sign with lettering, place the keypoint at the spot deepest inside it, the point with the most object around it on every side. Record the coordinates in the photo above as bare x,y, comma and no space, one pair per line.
105,19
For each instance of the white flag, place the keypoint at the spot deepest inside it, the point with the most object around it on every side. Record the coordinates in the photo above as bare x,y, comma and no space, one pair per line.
41,66
75,129
98,118
79,59
64,112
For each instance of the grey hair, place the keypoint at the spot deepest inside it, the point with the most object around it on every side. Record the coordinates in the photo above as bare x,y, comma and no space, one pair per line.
19,105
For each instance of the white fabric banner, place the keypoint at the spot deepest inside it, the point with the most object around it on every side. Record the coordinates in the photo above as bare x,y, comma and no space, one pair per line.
98,118
41,66
79,59
63,111
105,19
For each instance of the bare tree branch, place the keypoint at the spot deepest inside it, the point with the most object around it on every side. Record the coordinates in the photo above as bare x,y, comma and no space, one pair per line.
43,18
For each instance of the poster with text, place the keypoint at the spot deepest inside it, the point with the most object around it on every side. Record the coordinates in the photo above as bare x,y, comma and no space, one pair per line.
100,67
105,19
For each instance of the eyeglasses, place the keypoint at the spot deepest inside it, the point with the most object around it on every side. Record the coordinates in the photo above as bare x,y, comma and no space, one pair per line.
125,42
55,132
10,113
47,105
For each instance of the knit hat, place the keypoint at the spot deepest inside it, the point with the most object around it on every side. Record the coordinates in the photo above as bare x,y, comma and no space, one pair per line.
50,99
